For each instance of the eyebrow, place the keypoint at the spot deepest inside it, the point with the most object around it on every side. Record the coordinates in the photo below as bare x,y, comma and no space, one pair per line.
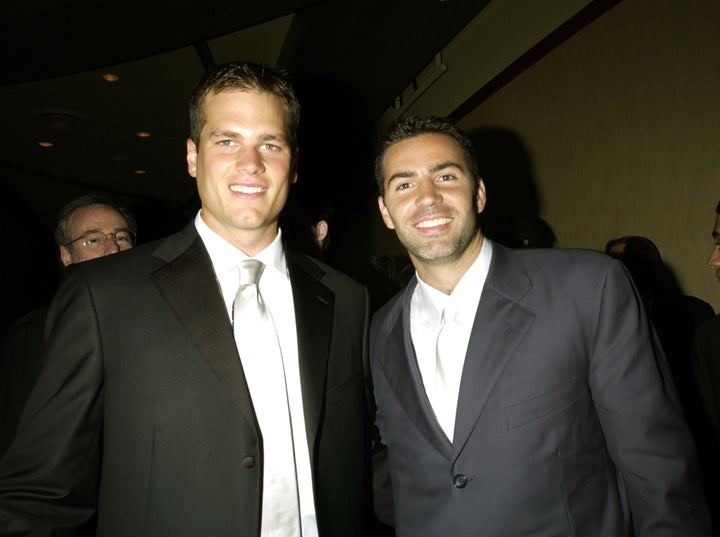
432,169
115,230
234,135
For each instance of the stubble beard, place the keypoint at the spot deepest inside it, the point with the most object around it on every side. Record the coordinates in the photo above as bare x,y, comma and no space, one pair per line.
435,250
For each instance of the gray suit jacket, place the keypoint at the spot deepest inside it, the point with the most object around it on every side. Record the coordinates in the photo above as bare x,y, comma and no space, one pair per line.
142,373
567,422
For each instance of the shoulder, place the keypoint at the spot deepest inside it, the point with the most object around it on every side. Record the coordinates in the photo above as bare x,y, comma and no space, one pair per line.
558,257
338,282
389,313
140,260
710,330
556,263
35,318
698,309
26,330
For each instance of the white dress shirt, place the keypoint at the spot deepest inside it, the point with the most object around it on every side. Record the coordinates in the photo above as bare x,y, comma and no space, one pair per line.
276,291
426,308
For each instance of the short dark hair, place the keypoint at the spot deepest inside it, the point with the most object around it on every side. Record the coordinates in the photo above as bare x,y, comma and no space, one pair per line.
62,230
410,127
635,246
245,76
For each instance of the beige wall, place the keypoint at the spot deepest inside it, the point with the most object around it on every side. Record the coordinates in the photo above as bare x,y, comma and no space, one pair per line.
621,122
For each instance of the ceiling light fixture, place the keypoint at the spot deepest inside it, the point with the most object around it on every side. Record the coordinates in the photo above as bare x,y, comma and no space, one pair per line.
110,77
142,134
44,143
59,119
139,172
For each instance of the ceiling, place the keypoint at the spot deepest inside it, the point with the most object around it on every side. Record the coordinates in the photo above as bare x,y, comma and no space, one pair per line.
348,58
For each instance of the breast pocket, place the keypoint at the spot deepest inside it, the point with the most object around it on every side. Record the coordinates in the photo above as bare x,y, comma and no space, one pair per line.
541,405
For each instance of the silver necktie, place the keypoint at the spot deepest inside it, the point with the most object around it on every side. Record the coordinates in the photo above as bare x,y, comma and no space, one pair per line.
259,349
448,370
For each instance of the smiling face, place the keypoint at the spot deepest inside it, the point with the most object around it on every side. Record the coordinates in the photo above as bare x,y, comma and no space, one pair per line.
431,201
244,166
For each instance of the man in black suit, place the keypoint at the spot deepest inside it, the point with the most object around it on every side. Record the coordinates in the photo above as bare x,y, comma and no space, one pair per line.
706,353
146,408
706,365
519,392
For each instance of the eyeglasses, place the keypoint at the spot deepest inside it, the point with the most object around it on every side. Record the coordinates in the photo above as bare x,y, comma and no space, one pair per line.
95,240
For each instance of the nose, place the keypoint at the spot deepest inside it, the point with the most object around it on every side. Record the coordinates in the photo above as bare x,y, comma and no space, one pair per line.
714,259
111,245
250,160
428,194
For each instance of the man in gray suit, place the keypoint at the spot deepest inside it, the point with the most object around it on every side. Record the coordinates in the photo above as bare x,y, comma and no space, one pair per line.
519,393
145,409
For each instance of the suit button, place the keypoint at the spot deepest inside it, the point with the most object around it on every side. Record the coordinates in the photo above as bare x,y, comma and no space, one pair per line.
460,481
248,462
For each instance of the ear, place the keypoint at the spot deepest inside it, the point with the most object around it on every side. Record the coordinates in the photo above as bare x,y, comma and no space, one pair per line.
385,213
481,197
191,157
321,230
65,256
294,167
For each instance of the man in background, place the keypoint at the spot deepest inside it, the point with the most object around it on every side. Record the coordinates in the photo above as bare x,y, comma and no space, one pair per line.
88,227
706,364
93,226
518,391
706,352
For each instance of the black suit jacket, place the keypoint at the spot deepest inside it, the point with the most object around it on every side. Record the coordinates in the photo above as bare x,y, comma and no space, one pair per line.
706,365
20,361
567,422
142,373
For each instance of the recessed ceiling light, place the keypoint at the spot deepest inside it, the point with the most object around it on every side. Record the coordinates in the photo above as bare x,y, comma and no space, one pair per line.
139,172
142,134
110,77
45,144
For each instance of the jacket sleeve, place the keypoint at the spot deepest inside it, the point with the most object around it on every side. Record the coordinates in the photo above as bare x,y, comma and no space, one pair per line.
646,433
49,475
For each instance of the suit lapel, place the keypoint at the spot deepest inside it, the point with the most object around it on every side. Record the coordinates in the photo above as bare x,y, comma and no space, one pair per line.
399,363
499,326
314,310
188,284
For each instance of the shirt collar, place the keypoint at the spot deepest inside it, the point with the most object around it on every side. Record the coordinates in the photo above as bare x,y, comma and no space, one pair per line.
467,291
226,257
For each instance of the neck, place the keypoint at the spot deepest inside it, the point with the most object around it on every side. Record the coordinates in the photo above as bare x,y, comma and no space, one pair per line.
444,274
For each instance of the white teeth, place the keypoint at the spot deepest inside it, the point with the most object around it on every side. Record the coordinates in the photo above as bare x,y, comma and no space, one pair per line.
246,189
434,222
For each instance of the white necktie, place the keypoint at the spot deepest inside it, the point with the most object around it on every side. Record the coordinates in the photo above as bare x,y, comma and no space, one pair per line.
448,371
261,358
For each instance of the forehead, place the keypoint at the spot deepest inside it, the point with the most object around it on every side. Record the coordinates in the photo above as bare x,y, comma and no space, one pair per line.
247,106
96,217
423,151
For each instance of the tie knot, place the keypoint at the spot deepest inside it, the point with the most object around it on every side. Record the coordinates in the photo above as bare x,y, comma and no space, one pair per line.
250,271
